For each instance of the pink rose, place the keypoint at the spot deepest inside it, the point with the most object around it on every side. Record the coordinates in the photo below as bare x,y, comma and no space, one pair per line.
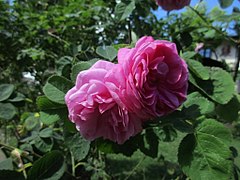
93,109
169,5
152,81
113,100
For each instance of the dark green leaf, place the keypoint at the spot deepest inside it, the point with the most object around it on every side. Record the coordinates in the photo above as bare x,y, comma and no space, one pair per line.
149,145
56,88
225,3
229,111
61,63
107,52
130,146
66,71
7,111
51,166
166,133
5,91
11,175
186,38
78,146
69,126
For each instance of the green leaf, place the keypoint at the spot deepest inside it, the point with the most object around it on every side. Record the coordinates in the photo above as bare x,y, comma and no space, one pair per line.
78,146
130,146
45,133
225,3
197,105
198,69
149,145
122,10
107,52
166,133
229,111
6,164
188,55
56,88
43,144
77,68
5,91
51,166
220,86
62,63
11,175
69,126
44,103
51,116
31,122
7,111
186,38
105,146
210,34
17,98
206,154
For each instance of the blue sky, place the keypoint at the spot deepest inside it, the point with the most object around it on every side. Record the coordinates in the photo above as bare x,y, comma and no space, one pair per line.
210,4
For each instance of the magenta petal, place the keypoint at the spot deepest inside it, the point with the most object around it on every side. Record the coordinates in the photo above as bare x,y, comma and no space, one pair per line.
102,65
144,39
123,55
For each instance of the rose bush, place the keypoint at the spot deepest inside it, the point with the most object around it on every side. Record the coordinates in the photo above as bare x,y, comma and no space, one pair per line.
169,5
113,100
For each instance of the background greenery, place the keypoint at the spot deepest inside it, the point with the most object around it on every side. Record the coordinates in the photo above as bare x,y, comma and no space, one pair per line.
53,40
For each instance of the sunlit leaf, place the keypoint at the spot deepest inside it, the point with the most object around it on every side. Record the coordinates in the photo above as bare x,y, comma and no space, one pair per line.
206,154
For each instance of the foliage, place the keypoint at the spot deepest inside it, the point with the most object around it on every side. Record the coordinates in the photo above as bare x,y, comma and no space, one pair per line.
54,40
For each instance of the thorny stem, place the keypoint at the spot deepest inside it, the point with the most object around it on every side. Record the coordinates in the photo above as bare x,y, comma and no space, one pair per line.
210,26
58,38
73,164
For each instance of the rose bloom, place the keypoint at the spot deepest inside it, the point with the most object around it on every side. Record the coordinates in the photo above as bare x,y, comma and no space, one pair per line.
155,81
113,100
94,111
169,5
